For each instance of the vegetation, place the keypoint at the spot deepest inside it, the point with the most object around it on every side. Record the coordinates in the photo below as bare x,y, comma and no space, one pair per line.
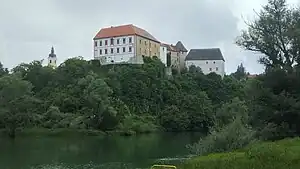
232,111
265,108
269,155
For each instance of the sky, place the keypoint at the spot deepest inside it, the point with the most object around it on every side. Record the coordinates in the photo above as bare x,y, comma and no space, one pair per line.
28,29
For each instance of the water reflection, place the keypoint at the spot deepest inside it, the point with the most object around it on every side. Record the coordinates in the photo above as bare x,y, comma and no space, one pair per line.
92,152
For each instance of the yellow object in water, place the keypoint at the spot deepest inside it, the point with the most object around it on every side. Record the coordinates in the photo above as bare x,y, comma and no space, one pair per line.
156,166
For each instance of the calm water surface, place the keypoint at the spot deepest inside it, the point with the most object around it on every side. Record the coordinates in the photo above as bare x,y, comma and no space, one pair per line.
113,152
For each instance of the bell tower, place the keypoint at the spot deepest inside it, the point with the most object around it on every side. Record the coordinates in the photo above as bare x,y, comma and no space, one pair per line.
52,58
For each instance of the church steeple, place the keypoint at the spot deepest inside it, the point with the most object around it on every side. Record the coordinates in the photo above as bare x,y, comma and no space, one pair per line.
52,58
52,55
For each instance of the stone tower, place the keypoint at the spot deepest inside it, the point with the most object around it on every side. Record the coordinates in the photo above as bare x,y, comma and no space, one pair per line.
52,58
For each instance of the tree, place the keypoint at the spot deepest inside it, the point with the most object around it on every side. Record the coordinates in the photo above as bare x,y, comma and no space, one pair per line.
240,72
3,71
275,34
15,95
97,96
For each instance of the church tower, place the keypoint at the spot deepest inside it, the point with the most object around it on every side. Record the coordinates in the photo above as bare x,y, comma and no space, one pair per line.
52,58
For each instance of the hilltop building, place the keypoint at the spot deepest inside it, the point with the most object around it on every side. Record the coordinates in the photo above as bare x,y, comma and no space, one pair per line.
177,53
52,59
124,44
209,60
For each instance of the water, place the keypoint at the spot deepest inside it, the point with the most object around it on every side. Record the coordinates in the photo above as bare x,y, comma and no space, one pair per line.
95,153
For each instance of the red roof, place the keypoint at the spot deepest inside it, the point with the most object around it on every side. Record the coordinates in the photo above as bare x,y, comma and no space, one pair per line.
124,30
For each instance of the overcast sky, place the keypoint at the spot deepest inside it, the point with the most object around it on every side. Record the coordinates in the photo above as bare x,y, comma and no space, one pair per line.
28,28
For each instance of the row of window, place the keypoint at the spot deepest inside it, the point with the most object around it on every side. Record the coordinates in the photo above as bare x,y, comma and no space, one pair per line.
112,50
112,41
213,62
146,43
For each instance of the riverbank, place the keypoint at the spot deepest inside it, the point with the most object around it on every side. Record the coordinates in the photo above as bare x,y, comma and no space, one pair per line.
72,132
267,155
53,132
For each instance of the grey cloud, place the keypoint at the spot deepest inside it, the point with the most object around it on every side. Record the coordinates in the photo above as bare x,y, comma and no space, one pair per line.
29,28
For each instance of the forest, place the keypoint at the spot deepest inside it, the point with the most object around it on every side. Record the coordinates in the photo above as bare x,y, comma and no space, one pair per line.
231,111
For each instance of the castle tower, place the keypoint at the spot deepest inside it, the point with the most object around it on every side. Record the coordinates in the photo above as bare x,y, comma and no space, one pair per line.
52,58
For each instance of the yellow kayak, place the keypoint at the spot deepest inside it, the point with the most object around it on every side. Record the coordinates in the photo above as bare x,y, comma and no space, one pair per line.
156,166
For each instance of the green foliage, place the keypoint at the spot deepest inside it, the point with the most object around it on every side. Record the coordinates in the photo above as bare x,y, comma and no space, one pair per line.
276,155
240,72
275,33
230,132
15,95
233,110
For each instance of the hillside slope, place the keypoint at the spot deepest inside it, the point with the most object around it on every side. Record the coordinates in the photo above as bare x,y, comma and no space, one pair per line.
268,155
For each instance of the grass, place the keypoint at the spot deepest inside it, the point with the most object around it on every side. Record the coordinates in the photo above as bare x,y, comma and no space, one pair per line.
284,154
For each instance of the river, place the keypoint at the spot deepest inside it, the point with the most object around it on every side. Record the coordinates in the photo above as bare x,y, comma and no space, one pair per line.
112,152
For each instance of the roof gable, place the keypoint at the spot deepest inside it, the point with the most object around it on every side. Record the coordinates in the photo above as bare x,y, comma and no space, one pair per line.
205,54
124,30
181,47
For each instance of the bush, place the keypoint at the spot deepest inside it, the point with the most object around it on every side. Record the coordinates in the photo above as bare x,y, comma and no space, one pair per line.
234,136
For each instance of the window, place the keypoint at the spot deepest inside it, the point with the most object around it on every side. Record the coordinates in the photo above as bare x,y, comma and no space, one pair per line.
105,51
50,61
118,50
145,42
130,48
150,44
214,62
155,54
124,40
95,43
140,41
155,45
210,69
163,49
112,50
124,49
105,42
55,61
130,40
217,68
118,41
111,41
100,51
206,62
100,43
140,50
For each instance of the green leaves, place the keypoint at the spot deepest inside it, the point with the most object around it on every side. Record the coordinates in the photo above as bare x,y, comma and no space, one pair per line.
274,34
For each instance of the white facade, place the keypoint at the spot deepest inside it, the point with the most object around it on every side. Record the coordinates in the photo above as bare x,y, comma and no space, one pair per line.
52,61
163,55
208,66
115,50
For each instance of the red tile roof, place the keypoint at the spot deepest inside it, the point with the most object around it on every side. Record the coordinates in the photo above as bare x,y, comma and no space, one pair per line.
124,30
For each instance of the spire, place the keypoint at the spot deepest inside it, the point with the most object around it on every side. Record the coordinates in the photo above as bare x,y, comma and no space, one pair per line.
52,54
52,50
